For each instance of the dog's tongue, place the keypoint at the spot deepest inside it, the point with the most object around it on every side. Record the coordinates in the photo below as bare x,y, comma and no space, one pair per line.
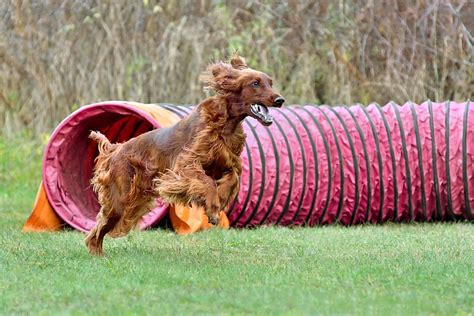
261,113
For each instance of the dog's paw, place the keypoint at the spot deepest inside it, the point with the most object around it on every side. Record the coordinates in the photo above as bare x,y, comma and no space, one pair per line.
97,252
214,219
93,248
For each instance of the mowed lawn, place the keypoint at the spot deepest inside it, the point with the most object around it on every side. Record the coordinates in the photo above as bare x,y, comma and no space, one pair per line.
389,269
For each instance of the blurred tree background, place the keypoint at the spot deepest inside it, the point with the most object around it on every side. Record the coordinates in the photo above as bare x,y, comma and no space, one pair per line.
56,55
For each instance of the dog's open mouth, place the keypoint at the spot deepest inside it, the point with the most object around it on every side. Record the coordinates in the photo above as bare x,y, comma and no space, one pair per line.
260,112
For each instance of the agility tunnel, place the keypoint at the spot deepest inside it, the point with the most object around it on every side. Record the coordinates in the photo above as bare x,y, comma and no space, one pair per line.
315,165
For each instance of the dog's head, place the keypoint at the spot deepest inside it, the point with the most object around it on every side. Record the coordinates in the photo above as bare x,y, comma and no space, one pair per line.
249,92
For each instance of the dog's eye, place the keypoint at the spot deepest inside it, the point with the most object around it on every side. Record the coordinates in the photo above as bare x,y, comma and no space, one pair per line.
255,84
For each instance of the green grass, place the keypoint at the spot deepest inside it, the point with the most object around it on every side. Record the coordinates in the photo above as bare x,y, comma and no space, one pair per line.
390,269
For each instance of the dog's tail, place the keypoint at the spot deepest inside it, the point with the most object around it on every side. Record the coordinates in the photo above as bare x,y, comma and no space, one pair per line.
104,144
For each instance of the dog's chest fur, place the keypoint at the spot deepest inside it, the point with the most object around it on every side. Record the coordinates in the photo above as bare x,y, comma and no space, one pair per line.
223,152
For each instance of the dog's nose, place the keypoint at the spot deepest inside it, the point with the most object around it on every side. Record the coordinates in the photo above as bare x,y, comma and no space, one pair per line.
278,101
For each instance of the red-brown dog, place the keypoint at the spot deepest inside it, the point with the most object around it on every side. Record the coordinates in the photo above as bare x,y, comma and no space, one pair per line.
196,161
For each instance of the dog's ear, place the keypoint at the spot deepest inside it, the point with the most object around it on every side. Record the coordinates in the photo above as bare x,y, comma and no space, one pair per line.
221,77
238,62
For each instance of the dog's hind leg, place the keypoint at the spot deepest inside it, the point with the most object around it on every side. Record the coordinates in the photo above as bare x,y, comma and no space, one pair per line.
95,238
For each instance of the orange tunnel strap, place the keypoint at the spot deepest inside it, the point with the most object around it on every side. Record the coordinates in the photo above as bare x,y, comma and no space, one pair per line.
42,218
187,220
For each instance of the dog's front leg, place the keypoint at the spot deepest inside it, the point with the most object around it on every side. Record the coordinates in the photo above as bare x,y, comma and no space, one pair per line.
191,185
228,188
205,194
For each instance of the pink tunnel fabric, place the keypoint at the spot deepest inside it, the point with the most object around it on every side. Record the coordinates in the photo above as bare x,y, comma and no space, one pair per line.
352,165
314,165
